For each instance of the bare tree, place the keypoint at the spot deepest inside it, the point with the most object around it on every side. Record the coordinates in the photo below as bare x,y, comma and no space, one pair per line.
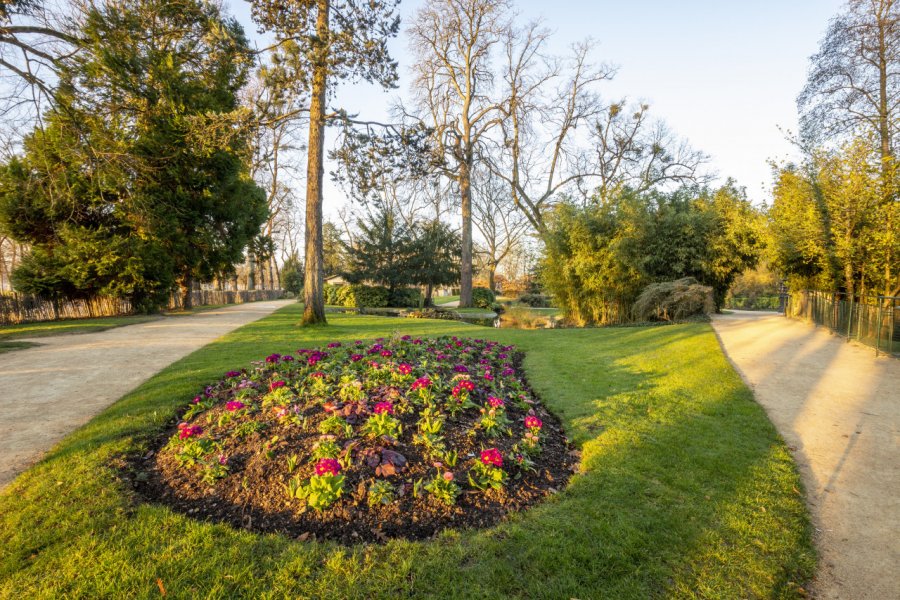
853,85
453,42
496,218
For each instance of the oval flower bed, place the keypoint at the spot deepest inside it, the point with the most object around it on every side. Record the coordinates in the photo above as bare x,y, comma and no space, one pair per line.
363,442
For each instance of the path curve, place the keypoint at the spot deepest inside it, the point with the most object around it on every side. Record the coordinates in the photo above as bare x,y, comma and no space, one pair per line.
48,391
838,408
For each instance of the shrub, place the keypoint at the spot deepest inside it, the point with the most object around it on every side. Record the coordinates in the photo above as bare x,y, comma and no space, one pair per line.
406,298
333,294
483,297
535,300
673,300
363,296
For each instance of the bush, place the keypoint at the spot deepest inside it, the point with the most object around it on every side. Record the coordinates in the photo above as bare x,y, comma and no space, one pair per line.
483,297
333,295
363,296
535,300
673,300
754,302
406,298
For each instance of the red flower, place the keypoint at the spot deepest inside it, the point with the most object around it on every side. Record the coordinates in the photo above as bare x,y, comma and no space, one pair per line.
404,369
188,431
328,466
234,405
276,384
532,422
492,456
421,383
383,407
495,402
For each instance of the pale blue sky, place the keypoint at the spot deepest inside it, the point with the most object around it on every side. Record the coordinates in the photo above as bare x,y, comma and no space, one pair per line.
722,73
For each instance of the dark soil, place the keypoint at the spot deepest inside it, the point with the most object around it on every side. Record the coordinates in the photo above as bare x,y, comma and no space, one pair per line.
253,496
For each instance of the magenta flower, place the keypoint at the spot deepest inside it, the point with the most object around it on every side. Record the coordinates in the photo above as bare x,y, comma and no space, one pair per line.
223,460
317,375
188,431
421,383
234,405
276,384
495,402
287,358
492,457
356,357
461,369
230,374
404,369
273,358
328,466
383,407
464,385
334,345
532,422
196,400
386,353
507,372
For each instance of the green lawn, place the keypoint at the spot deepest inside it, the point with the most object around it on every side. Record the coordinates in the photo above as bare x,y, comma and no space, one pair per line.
685,490
439,300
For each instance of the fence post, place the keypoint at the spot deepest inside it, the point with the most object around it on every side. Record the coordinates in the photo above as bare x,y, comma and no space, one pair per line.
850,319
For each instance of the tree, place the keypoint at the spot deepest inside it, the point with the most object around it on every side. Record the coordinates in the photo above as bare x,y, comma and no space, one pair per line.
435,257
453,41
382,251
325,41
140,178
333,249
500,224
853,90
292,275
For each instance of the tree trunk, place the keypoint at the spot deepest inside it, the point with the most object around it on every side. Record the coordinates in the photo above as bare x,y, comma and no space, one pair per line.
271,275
492,275
187,287
465,271
313,290
251,276
429,290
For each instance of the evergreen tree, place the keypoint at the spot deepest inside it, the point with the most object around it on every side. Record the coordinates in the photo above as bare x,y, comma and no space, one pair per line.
382,253
435,258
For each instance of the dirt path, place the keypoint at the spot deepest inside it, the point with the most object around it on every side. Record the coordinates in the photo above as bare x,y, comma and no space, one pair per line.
838,408
52,389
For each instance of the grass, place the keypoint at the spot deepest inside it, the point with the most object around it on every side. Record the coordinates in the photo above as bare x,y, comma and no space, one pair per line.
67,326
685,491
10,346
439,300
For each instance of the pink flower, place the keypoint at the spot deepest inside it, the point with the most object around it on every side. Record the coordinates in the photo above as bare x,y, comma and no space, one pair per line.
276,384
196,400
334,345
421,383
287,358
464,385
273,358
386,353
223,460
356,357
507,372
495,402
383,407
328,466
233,374
492,457
448,476
404,369
188,431
234,405
532,422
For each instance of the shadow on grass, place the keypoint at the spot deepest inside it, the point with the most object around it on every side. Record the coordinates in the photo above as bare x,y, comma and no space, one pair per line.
686,490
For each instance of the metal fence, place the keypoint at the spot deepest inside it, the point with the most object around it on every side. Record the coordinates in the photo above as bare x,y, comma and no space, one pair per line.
23,308
871,320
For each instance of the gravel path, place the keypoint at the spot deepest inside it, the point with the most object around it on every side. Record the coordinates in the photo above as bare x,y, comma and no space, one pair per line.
50,390
838,408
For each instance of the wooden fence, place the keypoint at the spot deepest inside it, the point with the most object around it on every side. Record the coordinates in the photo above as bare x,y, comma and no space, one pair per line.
23,308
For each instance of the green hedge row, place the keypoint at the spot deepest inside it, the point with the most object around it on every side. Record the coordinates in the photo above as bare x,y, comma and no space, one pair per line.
371,296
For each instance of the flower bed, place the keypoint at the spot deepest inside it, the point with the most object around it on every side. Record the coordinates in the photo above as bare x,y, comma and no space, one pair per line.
363,442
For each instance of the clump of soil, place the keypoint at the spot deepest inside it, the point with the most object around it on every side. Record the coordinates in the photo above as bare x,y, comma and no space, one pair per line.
246,443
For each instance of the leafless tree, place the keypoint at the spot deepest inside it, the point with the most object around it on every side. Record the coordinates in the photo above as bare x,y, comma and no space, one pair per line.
853,85
500,225
453,42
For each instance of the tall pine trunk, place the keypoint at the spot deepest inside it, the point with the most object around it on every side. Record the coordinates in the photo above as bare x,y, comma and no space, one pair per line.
313,290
